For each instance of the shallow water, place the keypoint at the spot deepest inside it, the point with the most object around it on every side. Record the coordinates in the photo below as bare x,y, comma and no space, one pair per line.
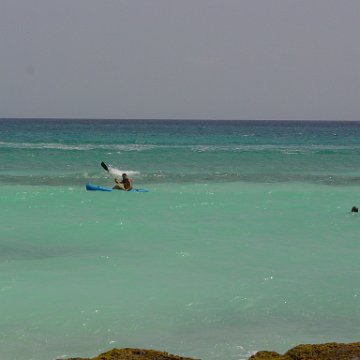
203,270
199,267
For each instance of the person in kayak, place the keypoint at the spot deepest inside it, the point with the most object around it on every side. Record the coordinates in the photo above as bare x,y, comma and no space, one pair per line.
124,184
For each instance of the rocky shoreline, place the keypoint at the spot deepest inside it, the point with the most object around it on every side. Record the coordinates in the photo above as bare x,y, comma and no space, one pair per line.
135,354
329,351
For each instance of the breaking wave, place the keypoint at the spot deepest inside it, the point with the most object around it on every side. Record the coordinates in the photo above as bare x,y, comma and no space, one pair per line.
285,149
79,147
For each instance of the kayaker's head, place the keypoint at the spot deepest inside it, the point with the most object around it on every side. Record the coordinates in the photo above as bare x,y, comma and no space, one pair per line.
124,176
354,209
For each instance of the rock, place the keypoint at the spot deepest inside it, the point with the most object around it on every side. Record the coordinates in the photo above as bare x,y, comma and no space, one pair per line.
135,354
330,351
266,355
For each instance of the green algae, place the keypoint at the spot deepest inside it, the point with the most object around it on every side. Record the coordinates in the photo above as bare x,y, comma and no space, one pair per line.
135,354
329,351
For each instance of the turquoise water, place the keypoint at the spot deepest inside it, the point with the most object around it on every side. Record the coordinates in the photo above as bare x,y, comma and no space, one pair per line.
245,241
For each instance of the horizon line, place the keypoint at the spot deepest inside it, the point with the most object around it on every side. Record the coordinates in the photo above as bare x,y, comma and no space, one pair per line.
166,119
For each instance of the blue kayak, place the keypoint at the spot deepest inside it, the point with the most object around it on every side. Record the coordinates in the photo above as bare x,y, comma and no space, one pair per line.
92,187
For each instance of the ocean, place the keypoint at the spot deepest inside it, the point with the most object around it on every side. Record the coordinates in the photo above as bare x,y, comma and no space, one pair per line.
245,241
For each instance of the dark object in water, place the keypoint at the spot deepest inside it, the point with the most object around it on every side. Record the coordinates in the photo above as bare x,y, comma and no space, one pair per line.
354,209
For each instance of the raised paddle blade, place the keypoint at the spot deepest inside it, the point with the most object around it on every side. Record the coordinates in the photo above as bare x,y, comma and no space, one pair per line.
104,166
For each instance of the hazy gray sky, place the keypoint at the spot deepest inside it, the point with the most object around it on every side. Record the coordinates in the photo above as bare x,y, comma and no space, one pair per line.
207,59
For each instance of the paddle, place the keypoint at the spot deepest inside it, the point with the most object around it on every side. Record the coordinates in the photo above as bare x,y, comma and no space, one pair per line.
104,166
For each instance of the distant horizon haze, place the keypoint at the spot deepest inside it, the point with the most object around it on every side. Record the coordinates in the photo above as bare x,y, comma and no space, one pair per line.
196,60
179,120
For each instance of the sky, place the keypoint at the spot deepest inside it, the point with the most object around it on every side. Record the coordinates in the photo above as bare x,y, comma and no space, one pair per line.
180,59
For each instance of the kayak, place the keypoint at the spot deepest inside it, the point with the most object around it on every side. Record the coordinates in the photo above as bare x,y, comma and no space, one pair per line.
92,187
139,190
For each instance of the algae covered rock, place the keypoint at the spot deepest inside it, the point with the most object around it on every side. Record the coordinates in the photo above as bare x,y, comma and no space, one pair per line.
267,355
135,354
330,351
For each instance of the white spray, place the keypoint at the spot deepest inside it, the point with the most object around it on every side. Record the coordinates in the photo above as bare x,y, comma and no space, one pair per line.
117,173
